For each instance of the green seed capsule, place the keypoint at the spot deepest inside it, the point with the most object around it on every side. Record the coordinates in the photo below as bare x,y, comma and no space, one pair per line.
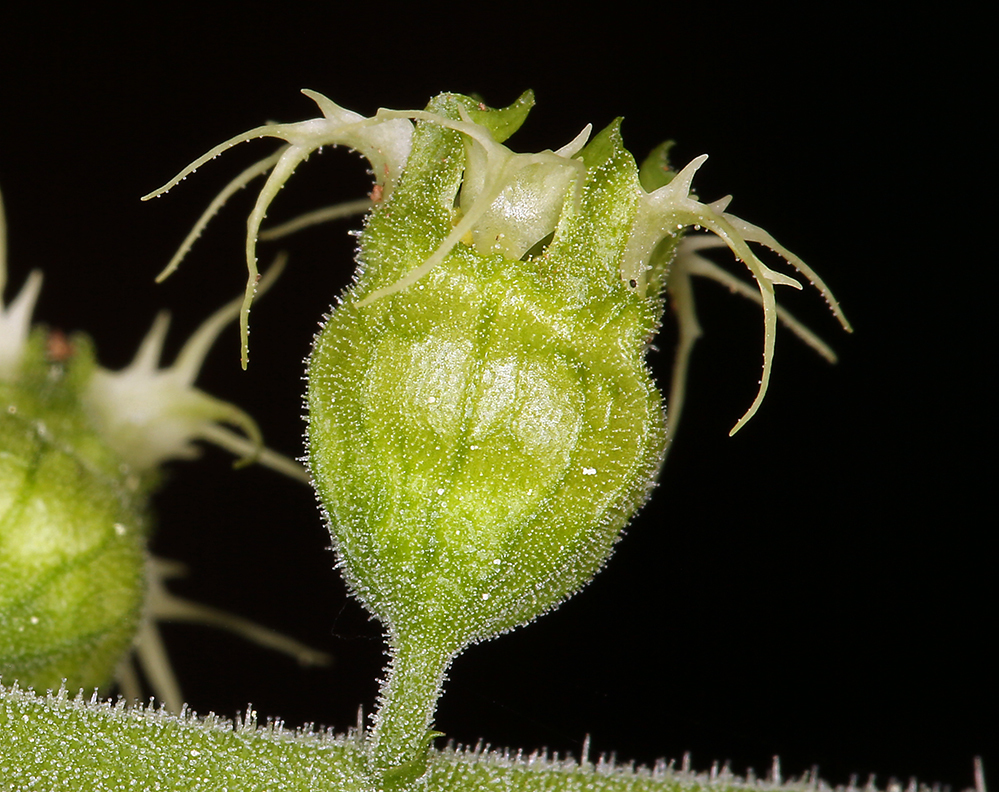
482,423
480,438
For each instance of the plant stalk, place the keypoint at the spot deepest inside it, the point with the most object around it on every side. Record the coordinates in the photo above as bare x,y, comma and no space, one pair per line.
407,702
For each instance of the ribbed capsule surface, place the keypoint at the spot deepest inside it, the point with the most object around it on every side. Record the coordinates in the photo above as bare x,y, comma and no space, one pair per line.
72,532
480,438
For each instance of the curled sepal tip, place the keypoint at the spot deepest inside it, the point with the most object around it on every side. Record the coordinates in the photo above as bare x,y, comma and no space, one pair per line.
15,319
149,414
668,211
385,144
15,324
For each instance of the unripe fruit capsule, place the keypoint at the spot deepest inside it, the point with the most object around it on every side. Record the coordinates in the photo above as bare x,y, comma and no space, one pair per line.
481,420
480,437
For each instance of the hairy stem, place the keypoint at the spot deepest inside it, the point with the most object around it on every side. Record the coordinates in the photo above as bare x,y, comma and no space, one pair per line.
408,700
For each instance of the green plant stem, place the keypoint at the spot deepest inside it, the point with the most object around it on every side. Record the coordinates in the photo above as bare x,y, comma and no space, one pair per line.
408,700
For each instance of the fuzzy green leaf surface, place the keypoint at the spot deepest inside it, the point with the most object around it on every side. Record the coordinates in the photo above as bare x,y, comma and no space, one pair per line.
61,743
55,742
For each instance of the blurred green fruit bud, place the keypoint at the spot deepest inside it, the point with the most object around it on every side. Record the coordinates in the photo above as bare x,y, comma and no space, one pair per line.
73,526
80,451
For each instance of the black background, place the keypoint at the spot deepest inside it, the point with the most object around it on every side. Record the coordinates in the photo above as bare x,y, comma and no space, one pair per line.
820,586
